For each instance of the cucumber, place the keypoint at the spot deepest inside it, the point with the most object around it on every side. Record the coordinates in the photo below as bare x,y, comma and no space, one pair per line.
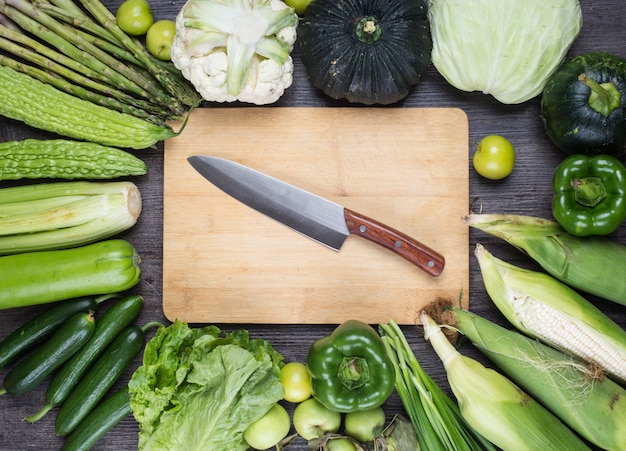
65,159
41,327
67,340
99,379
109,266
108,327
100,420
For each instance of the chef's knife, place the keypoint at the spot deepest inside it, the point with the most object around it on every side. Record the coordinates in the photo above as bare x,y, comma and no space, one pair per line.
309,214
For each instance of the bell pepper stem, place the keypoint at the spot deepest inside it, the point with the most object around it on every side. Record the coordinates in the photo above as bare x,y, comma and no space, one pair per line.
589,191
604,97
353,372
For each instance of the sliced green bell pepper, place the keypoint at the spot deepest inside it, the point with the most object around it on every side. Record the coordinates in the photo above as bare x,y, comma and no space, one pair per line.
350,369
589,194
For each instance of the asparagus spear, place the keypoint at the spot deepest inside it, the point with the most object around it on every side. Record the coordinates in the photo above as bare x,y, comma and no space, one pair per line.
176,86
77,91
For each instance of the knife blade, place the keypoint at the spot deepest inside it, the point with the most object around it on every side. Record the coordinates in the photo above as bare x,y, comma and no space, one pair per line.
316,217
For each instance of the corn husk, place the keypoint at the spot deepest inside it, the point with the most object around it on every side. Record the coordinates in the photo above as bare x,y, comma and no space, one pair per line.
594,407
496,407
595,265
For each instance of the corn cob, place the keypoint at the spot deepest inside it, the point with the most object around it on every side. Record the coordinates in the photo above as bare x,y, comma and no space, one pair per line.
546,309
593,407
573,260
494,406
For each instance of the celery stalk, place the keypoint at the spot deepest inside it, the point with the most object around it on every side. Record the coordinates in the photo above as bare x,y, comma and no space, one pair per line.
59,215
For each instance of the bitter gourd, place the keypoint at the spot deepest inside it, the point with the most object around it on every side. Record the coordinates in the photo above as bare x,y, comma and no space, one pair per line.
42,106
65,159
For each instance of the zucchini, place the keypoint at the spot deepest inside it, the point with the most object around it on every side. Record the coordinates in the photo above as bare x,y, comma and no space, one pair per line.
45,107
41,327
100,420
46,216
30,372
109,266
99,379
66,159
108,327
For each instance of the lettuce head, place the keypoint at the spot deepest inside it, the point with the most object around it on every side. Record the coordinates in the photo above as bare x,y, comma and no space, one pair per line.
506,48
199,389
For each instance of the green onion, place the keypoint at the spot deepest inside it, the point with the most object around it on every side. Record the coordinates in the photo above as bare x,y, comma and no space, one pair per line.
435,417
594,407
58,215
496,407
544,308
575,261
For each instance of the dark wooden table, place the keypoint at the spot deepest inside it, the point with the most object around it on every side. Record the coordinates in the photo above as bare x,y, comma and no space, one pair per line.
526,191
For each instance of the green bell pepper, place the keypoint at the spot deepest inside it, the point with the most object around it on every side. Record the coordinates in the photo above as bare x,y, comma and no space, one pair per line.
589,194
350,369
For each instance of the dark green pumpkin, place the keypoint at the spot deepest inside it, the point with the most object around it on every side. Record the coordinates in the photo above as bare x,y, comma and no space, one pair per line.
365,51
571,122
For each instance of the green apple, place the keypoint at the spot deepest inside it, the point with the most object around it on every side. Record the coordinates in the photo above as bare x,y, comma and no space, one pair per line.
298,5
365,425
160,38
134,17
270,429
340,444
312,419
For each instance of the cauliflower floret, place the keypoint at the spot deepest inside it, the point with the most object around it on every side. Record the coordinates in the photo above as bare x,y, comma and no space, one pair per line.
229,53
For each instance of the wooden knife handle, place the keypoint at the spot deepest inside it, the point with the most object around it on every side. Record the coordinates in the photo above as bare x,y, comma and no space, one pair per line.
417,253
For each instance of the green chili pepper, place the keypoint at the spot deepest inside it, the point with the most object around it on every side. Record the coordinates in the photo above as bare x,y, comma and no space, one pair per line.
590,194
350,369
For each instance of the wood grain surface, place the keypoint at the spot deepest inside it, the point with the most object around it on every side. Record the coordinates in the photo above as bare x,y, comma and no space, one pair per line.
526,191
224,262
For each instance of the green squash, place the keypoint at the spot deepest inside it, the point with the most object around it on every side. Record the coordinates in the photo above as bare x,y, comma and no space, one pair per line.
365,51
584,105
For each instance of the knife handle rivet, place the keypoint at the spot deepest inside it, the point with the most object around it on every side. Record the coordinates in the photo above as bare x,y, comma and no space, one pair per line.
398,243
431,264
362,228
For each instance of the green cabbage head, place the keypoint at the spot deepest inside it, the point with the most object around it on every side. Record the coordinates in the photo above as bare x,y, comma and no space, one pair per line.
506,48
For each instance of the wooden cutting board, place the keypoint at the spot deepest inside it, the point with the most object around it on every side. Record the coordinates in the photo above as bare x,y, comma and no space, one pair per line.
223,262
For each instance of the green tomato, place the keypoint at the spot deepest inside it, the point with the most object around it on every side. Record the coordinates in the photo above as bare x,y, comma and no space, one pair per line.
365,425
299,6
270,429
134,17
296,380
494,157
312,419
160,37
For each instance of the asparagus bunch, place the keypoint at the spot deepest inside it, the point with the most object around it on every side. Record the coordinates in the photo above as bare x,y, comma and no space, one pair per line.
84,52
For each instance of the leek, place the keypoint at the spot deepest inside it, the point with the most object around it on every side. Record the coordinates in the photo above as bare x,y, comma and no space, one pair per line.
573,260
544,308
496,407
51,216
436,418
593,407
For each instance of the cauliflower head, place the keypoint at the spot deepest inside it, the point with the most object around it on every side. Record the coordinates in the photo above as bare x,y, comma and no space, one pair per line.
236,50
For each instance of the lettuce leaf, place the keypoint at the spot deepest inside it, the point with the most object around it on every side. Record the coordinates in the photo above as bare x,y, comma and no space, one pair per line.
199,388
